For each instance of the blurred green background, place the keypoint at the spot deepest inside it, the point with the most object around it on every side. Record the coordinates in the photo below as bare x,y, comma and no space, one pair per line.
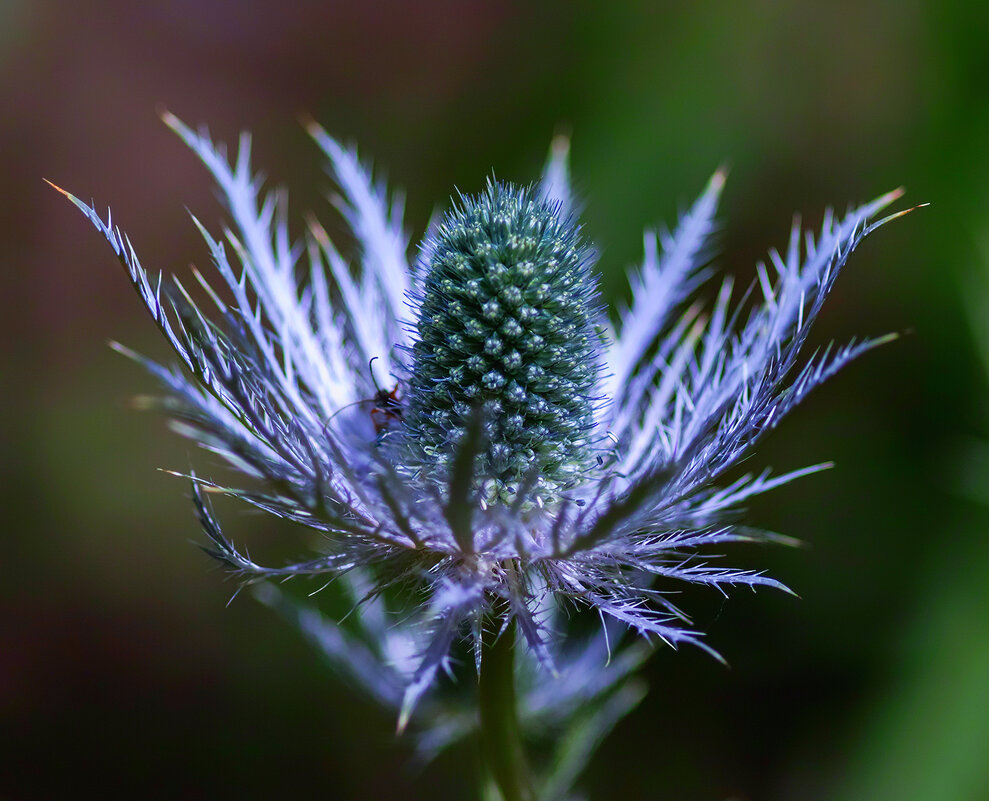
123,674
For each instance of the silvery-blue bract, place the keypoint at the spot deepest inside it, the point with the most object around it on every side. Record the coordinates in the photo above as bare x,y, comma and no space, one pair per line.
474,427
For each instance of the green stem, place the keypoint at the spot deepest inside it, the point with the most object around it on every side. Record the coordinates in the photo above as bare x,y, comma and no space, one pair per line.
501,743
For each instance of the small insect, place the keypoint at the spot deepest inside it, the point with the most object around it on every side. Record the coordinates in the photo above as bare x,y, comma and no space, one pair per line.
387,409
386,406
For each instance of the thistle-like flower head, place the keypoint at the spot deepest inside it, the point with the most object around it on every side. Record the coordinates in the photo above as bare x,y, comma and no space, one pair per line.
505,331
476,426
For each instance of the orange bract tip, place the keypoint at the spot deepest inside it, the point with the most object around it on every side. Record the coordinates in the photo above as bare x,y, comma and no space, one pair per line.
56,187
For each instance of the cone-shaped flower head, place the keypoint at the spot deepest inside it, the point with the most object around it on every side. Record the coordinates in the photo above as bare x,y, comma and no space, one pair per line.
505,331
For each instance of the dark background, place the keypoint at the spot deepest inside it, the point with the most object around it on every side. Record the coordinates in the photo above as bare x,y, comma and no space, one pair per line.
122,672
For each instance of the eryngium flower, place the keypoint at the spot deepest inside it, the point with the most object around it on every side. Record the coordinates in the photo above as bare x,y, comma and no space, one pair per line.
505,330
475,426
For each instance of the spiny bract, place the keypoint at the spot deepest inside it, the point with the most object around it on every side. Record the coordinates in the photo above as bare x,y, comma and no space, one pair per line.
505,330
281,385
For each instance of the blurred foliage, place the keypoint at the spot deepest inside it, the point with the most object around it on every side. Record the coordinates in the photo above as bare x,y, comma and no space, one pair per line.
121,670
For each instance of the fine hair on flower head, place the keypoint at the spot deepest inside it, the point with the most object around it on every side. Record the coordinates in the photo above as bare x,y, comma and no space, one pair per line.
473,425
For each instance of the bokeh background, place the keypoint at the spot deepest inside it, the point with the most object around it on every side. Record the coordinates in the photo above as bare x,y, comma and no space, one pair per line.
123,673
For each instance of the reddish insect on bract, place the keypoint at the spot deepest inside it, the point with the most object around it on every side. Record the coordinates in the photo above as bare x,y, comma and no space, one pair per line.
387,409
